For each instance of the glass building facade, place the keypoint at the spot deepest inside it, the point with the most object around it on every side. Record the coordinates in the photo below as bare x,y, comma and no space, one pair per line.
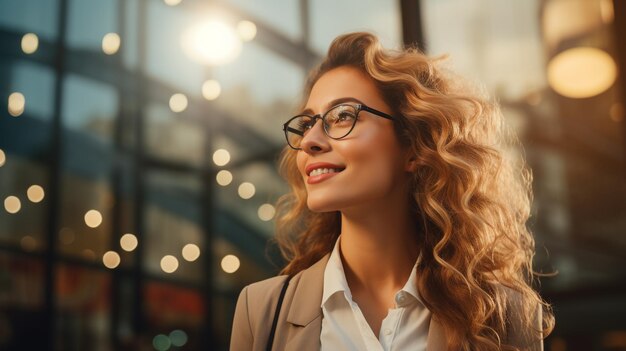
139,139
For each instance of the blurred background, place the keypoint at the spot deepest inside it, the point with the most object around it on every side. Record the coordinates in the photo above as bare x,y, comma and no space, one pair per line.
139,139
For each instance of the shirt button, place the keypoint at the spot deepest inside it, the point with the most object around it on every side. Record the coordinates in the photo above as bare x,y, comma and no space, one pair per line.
387,331
400,298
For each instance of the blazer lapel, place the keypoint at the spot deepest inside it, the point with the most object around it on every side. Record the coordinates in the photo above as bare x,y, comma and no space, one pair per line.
305,313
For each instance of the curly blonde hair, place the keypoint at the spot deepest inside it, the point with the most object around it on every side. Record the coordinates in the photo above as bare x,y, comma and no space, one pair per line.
471,199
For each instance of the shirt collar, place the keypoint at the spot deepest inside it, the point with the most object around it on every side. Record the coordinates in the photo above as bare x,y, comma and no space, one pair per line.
335,278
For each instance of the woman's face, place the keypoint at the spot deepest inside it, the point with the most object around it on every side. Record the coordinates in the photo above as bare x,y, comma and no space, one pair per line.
370,166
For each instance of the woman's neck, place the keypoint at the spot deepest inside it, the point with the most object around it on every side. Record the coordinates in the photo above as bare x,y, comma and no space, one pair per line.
378,250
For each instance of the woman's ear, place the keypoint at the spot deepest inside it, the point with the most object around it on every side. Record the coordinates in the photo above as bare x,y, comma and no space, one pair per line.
411,164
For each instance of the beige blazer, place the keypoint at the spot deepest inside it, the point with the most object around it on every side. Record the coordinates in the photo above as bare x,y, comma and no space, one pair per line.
300,319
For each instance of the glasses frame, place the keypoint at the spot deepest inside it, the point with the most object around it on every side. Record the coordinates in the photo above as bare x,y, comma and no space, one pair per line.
358,107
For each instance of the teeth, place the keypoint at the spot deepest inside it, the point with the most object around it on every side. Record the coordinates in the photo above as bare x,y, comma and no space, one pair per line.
319,171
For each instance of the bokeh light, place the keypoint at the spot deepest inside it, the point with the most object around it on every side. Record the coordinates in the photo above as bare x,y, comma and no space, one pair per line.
169,264
178,102
12,204
178,338
111,259
111,43
246,30
128,242
246,190
35,193
581,72
66,236
17,103
3,158
212,42
172,2
224,177
28,243
191,252
221,157
161,342
30,43
93,218
211,89
230,263
266,212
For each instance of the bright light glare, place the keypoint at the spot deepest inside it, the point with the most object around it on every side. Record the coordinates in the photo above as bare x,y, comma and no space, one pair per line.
169,264
12,204
212,42
191,252
17,102
230,263
111,43
128,242
246,190
172,2
582,72
111,259
93,218
178,102
35,193
224,177
30,43
246,30
211,89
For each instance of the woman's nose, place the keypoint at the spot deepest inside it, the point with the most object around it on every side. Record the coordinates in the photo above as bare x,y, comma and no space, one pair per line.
315,140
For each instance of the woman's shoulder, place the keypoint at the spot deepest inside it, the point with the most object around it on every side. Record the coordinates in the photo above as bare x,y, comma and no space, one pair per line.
265,289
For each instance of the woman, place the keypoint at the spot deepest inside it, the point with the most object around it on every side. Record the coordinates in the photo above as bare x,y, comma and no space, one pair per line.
405,225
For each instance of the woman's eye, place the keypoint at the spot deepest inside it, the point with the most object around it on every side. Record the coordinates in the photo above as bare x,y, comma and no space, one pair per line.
345,116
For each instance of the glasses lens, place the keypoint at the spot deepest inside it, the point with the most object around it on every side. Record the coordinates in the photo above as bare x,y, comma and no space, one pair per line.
296,128
340,120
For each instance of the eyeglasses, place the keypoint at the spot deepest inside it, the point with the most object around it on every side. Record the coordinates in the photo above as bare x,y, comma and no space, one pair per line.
337,123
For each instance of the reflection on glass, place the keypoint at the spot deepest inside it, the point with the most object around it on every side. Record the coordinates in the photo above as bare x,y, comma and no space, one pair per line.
111,259
128,242
30,43
12,204
246,190
224,177
230,263
212,42
93,218
169,264
221,157
17,101
178,102
211,89
35,193
191,252
111,43
266,212
246,30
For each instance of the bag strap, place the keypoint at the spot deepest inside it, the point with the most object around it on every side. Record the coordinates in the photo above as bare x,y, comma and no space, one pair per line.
270,341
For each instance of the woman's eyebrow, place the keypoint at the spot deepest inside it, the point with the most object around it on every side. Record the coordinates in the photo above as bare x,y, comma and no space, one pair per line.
309,111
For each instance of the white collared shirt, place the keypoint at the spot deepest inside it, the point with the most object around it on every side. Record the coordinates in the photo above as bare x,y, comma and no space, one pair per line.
344,327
